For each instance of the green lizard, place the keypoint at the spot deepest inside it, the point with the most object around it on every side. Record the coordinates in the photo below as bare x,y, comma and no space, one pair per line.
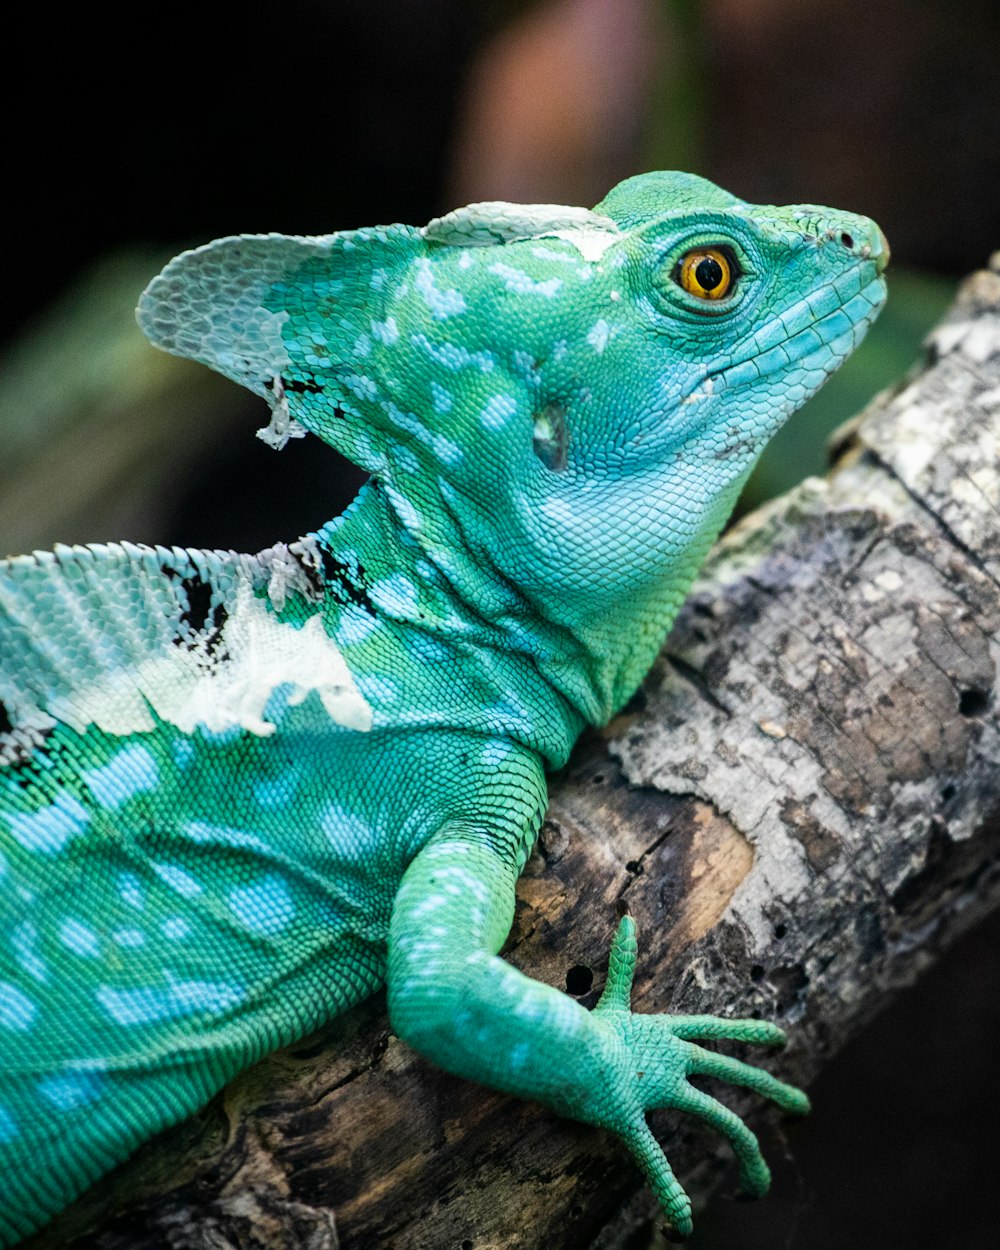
242,792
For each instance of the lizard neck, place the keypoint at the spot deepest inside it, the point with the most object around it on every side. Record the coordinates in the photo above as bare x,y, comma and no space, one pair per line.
436,635
433,638
622,641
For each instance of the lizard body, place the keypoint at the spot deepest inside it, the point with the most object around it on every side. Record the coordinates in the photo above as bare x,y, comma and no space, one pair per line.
240,792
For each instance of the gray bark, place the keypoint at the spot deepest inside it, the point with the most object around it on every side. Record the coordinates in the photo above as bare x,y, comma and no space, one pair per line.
800,809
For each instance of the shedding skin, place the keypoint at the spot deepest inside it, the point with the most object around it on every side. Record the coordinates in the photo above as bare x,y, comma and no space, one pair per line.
239,793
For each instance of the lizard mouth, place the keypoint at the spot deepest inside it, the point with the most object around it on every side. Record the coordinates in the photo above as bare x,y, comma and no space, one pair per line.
819,330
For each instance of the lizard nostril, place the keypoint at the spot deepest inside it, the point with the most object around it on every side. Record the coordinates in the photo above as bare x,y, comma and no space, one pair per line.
847,240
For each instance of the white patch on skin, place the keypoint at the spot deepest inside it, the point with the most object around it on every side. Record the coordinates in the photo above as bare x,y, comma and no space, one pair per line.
519,1055
365,453
361,386
150,1004
67,1092
265,907
424,648
519,283
429,906
354,626
24,941
598,335
496,751
183,752
8,1126
186,688
453,356
550,253
407,513
498,411
442,304
353,837
406,458
526,366
444,448
591,243
442,399
133,771
17,1011
395,595
386,332
178,880
80,939
381,689
130,890
222,835
48,830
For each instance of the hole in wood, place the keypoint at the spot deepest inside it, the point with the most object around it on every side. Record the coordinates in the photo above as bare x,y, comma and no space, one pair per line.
579,979
973,701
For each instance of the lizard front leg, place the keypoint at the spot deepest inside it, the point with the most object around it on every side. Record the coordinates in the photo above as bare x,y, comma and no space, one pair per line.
456,1002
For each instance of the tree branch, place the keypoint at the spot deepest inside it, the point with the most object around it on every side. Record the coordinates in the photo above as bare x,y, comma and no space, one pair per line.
800,809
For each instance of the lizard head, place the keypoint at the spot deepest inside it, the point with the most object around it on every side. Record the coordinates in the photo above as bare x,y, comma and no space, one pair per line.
576,396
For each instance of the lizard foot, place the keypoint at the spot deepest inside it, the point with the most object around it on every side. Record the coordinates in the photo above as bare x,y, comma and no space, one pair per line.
660,1054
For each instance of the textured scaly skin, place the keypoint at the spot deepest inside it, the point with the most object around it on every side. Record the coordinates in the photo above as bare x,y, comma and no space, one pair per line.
240,793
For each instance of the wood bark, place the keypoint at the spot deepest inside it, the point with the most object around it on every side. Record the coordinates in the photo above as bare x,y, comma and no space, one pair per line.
801,809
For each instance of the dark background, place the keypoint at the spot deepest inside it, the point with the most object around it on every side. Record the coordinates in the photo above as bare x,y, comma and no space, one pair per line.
130,137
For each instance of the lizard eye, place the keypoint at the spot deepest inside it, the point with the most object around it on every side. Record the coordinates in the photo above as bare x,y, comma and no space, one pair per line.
707,272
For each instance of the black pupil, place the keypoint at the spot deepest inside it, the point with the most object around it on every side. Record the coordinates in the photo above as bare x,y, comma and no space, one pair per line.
708,273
